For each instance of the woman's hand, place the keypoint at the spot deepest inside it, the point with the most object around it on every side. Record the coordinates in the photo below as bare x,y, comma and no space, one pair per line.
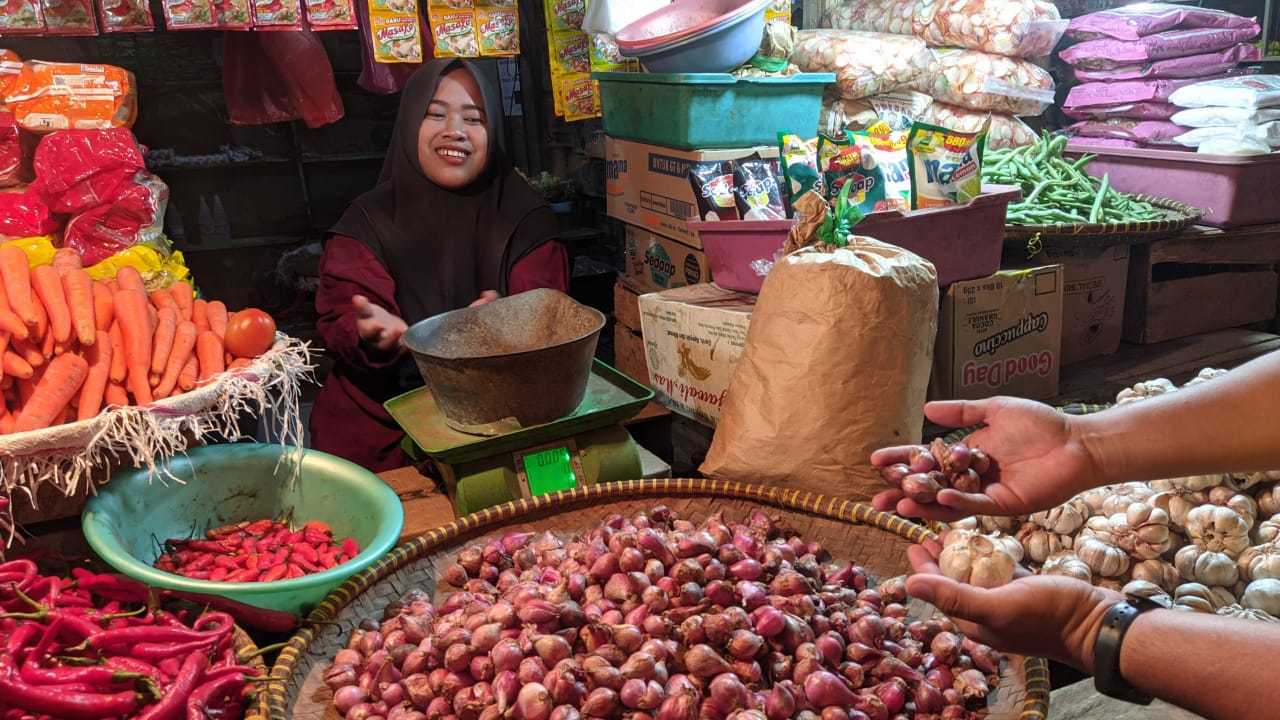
1039,615
377,327
1038,462
485,298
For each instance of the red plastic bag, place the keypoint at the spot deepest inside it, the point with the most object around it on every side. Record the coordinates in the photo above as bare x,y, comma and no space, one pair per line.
10,151
384,78
80,169
277,77
23,213
134,217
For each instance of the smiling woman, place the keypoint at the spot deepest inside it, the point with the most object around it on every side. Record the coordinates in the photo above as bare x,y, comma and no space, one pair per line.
450,223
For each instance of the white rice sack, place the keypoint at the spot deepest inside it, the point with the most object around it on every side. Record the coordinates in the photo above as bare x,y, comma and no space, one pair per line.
1244,91
865,63
1223,117
1016,28
1268,133
984,81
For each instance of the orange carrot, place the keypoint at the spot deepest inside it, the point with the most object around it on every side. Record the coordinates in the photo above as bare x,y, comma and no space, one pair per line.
103,306
190,373
28,351
56,387
209,352
41,329
16,271
184,296
77,287
240,362
218,317
95,384
163,299
184,344
133,317
200,313
15,366
65,259
162,341
119,371
128,278
9,320
48,287
115,394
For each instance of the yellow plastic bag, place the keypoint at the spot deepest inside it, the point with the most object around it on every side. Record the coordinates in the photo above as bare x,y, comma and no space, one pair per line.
158,269
39,249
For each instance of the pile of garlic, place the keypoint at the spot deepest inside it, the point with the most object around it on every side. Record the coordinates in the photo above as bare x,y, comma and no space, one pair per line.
1208,543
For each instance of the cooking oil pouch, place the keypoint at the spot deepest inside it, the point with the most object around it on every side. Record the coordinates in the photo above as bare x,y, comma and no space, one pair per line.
756,191
885,150
946,165
714,189
799,165
844,162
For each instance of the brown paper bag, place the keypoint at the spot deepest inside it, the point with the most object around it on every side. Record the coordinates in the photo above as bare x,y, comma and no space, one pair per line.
836,365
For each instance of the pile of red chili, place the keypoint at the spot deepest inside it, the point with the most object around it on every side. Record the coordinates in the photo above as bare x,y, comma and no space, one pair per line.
258,551
96,646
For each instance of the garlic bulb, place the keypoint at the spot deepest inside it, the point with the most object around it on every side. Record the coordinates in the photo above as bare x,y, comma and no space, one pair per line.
1207,567
1157,572
1200,482
1124,495
1268,530
1218,529
978,559
1003,524
1260,561
1145,389
1148,590
966,523
1252,480
1177,502
1094,498
1203,375
1248,613
1264,595
1142,531
1064,519
1245,505
1113,584
1201,598
1269,500
1065,562
1038,544
1102,557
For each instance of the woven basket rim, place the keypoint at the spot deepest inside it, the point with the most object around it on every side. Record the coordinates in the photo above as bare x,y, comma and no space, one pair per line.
275,706
1089,234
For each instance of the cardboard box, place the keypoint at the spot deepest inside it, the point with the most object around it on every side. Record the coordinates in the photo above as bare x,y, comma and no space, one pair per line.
628,353
1093,288
660,263
1000,335
648,185
626,303
693,337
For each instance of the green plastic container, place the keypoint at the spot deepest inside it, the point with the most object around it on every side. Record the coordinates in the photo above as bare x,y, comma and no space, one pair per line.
221,484
704,111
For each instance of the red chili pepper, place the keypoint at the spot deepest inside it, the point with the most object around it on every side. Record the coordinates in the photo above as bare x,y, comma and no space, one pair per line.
251,561
93,675
306,552
175,697
169,668
329,559
276,621
200,562
318,526
218,574
316,538
275,573
281,557
294,571
211,546
214,694
23,635
124,637
111,586
229,562
350,548
306,565
245,575
157,651
61,703
214,533
126,664
259,527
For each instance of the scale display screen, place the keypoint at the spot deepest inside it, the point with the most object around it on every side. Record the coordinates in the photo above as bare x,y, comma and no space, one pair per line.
548,469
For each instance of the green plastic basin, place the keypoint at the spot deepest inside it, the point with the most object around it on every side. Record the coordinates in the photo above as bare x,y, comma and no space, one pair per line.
130,515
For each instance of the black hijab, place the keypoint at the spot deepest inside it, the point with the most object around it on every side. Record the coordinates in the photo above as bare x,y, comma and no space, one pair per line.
444,247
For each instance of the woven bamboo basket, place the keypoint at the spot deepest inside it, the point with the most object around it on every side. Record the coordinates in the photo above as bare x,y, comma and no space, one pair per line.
1178,216
849,530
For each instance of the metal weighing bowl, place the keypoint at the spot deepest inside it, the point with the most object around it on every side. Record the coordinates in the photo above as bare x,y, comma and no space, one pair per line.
512,363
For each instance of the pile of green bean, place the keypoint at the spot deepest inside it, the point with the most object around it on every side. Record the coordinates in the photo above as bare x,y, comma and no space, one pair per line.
1057,190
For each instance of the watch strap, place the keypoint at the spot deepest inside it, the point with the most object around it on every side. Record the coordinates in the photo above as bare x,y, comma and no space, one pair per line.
1106,651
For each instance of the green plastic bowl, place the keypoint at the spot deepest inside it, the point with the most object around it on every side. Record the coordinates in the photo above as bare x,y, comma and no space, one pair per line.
132,513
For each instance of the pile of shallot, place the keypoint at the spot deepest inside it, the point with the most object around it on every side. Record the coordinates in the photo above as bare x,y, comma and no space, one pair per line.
656,618
930,468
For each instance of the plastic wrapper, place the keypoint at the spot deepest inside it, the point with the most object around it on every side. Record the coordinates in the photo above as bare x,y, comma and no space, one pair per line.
39,249
1137,111
1146,132
277,14
154,262
885,149
330,14
395,33
69,17
125,16
1017,28
454,33
1099,94
1247,91
78,170
865,63
1223,116
11,160
24,213
189,14
278,77
376,74
22,17
1107,53
1268,132
838,114
571,52
946,165
1189,66
59,96
579,96
1135,21
570,16
984,81
233,14
134,217
10,67
1005,131
498,30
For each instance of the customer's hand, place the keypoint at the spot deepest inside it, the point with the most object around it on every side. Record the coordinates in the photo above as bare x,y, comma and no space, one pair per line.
1037,460
485,298
377,327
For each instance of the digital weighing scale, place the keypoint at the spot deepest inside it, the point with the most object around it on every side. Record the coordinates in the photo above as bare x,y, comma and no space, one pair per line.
586,447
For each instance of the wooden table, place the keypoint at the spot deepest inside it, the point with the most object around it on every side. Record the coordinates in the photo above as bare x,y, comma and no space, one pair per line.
425,506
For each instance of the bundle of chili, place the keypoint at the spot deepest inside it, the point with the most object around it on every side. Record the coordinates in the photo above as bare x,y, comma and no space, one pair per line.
259,551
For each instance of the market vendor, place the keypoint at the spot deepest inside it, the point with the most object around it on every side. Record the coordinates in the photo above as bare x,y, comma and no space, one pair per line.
449,224
1210,664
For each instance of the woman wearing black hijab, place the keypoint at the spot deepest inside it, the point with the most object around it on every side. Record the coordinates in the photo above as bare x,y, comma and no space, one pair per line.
450,223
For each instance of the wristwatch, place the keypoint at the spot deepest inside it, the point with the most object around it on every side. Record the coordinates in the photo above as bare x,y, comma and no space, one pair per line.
1106,650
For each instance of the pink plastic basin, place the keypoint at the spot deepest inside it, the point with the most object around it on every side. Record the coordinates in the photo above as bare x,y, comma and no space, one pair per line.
681,20
962,241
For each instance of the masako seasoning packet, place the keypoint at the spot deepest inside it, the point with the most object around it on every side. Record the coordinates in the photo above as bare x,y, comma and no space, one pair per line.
946,166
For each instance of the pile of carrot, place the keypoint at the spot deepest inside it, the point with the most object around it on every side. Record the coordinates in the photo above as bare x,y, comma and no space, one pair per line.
73,345
256,551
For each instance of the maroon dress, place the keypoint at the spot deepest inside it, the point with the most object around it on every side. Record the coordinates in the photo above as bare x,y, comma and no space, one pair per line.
348,419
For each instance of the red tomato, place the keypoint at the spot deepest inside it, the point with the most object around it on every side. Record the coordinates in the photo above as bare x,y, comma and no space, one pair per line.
250,333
